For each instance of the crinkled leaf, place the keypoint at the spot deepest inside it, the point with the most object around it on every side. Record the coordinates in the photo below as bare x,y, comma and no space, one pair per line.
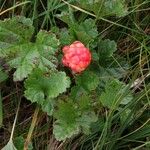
84,103
58,83
48,42
88,80
66,112
105,8
77,91
65,125
106,49
72,118
40,85
115,7
9,146
15,31
63,131
21,53
115,93
65,37
48,106
86,31
86,120
36,54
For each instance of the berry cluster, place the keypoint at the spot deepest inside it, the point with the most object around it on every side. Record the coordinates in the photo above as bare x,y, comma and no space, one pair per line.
76,56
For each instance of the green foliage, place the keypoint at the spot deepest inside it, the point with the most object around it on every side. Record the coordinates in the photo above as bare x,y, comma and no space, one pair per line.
65,126
115,93
15,31
103,8
19,143
65,37
72,118
24,55
106,49
96,105
41,87
88,80
85,31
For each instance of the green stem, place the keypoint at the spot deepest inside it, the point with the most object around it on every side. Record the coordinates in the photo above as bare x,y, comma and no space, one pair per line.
1,111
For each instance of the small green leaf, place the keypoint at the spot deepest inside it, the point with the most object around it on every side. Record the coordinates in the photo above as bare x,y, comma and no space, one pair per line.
106,48
86,120
72,118
88,80
63,131
16,30
65,126
66,112
58,83
85,31
48,106
77,91
47,42
40,85
105,8
115,93
65,37
84,103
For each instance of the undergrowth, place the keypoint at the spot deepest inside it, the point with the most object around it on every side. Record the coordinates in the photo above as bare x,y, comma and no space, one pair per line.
45,105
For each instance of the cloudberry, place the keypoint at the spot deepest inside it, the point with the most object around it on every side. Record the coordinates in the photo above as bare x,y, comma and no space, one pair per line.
76,56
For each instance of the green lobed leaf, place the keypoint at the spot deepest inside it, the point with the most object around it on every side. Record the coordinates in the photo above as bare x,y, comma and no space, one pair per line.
23,55
77,91
86,120
48,106
15,30
41,85
63,131
115,93
104,8
85,31
106,49
65,126
72,118
88,80
65,37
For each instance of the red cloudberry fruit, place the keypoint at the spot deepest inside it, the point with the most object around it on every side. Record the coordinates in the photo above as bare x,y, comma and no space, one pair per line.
76,56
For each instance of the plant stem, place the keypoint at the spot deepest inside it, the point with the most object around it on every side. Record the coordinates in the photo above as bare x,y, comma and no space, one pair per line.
33,123
15,120
1,110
